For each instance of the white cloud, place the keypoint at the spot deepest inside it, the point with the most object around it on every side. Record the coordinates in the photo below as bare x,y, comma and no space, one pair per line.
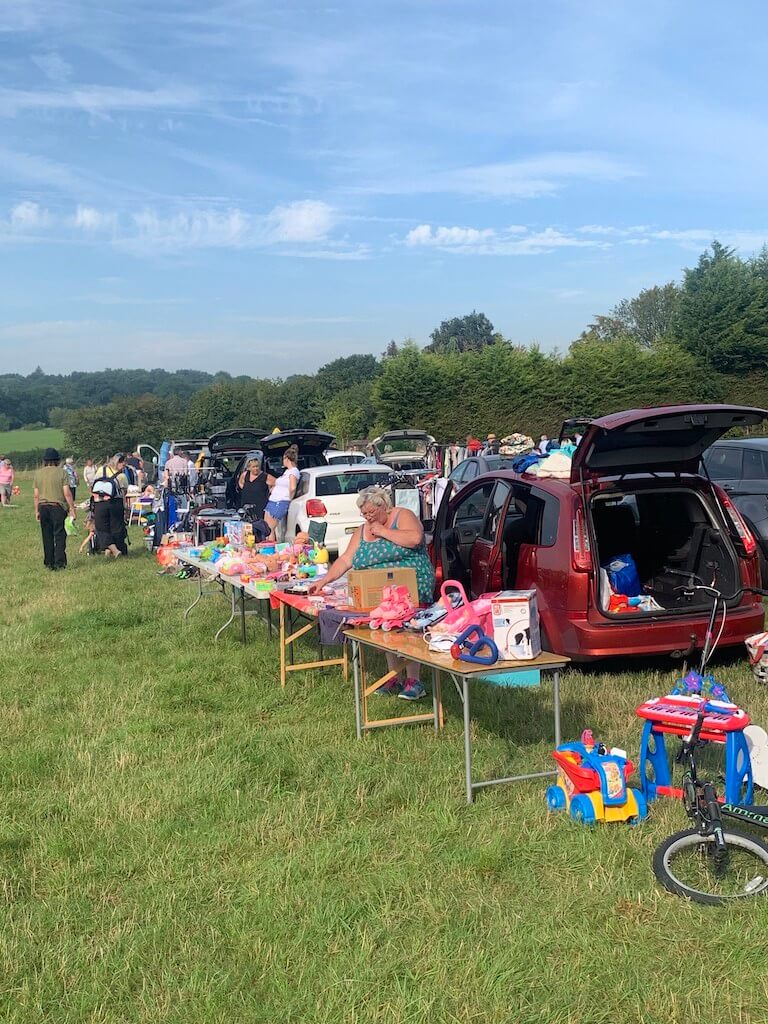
27,216
424,235
97,99
530,178
189,230
53,66
308,220
516,241
90,219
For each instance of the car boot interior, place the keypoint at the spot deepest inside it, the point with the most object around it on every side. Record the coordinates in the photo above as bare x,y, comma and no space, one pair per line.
672,537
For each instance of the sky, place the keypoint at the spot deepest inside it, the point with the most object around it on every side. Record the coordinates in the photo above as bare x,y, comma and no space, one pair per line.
262,186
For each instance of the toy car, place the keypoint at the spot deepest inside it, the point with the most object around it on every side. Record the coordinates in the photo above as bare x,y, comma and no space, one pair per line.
592,786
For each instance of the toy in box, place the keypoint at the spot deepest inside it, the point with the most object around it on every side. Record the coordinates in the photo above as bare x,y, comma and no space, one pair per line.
516,633
592,784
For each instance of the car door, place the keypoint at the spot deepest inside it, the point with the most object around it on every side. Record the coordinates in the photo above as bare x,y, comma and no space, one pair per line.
485,558
724,463
459,524
750,493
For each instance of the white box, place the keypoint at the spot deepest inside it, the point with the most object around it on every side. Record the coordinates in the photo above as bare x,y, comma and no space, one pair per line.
516,630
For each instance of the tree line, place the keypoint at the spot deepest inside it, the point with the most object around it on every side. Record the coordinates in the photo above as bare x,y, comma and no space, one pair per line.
704,338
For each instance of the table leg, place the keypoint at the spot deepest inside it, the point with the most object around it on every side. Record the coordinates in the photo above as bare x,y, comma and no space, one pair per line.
556,700
243,633
356,685
291,623
269,618
437,702
232,615
467,740
199,593
282,644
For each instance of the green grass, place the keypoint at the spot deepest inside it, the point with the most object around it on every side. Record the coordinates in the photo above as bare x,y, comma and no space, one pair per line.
181,841
29,440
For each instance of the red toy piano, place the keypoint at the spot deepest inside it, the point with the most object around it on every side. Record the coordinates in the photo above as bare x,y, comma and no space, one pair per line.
676,715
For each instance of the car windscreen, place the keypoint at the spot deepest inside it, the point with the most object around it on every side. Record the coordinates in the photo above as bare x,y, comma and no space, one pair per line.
348,483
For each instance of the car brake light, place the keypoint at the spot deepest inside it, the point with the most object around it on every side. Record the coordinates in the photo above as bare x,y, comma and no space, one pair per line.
316,508
745,534
582,553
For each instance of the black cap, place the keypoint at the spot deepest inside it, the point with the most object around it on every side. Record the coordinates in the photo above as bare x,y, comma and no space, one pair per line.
51,455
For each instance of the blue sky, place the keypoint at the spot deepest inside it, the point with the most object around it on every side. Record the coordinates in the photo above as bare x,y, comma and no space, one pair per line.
262,186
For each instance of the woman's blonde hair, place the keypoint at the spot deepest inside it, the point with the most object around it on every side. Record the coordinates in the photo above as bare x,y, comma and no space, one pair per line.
379,497
292,454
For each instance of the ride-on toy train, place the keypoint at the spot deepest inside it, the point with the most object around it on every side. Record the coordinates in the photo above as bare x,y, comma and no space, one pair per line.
592,784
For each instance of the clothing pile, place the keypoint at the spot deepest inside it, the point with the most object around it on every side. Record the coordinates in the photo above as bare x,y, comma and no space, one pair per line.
555,463
516,444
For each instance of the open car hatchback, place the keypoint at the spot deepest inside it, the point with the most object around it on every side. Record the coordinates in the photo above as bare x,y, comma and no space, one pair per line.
634,490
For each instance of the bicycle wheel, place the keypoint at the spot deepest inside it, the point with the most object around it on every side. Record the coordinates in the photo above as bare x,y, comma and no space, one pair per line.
684,864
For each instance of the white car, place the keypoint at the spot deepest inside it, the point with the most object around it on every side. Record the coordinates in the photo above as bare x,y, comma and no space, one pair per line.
328,494
336,458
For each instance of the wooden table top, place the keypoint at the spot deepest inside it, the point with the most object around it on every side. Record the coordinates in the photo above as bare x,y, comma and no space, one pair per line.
411,645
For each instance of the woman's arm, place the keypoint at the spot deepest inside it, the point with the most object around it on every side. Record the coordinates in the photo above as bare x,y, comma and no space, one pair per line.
292,484
409,532
241,480
342,564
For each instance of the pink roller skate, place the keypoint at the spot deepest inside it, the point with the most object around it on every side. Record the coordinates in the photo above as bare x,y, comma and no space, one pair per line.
394,611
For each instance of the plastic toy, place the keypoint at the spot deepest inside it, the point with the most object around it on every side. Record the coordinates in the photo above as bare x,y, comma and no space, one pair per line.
675,714
394,611
474,647
592,784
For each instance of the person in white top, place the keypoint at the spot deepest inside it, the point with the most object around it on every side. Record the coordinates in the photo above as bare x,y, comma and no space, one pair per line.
282,493
542,445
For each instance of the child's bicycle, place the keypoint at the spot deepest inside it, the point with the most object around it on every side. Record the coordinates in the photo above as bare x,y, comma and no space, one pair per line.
713,862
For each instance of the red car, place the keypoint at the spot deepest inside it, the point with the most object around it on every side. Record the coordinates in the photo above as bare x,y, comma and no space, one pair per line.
634,489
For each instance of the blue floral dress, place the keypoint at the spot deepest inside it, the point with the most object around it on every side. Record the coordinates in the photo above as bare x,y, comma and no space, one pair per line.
385,554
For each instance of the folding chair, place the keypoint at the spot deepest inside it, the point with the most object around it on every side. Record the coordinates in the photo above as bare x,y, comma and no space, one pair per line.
317,531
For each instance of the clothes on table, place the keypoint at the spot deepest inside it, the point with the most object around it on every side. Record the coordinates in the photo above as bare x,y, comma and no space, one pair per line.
333,621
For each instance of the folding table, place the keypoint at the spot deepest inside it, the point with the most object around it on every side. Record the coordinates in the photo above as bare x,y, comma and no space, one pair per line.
464,674
292,607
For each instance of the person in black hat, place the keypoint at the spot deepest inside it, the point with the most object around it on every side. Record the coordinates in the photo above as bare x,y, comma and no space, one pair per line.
52,499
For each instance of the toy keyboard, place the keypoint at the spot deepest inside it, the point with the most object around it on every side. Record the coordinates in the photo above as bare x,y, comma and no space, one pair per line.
678,715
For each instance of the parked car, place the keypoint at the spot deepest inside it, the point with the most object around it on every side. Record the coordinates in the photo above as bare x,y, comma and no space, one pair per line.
476,465
310,443
329,494
337,458
740,467
226,451
633,489
404,450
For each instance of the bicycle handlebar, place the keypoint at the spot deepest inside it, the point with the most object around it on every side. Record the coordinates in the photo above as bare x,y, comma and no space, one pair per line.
725,597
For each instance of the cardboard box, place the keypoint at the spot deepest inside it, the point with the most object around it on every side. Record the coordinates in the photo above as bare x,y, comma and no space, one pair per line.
516,630
366,585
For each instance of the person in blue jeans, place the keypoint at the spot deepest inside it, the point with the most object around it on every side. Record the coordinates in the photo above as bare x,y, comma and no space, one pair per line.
282,493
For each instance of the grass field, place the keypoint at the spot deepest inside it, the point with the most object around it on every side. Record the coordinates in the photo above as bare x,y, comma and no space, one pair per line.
180,841
29,440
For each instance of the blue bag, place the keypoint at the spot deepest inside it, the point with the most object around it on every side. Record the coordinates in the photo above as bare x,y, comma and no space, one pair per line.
623,576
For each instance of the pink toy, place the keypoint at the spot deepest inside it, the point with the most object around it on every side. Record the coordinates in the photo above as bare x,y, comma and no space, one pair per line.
394,611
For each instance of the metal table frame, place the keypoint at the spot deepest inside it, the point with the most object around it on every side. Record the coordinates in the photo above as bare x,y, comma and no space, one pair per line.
462,675
209,578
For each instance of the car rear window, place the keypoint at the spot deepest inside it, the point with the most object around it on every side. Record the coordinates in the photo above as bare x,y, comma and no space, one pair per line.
348,483
724,463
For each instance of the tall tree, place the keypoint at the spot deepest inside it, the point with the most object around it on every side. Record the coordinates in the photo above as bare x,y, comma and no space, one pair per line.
723,315
463,334
648,318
